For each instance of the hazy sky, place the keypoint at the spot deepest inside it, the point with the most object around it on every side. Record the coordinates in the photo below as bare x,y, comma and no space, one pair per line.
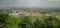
29,3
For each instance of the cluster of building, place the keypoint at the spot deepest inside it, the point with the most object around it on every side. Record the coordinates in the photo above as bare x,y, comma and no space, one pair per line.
31,13
25,13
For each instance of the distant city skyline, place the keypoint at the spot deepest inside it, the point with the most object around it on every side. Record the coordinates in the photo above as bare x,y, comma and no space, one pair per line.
29,3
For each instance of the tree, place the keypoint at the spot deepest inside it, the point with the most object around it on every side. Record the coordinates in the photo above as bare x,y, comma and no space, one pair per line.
51,22
3,19
26,23
38,24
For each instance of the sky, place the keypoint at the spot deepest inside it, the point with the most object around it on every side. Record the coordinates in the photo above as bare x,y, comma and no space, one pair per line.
29,3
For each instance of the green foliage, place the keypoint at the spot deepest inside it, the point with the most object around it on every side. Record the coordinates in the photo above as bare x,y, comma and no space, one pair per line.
51,22
3,19
28,21
37,24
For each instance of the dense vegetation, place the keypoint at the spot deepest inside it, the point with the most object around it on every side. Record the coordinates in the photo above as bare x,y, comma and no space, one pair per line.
7,21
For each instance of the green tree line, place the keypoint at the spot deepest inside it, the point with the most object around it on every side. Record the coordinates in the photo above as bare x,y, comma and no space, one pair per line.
7,21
